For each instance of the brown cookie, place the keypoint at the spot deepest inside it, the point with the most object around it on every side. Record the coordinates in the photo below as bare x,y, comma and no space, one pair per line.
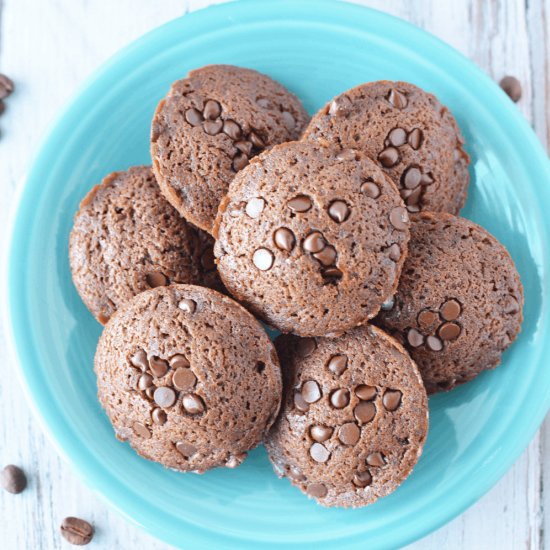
127,238
208,127
459,301
413,137
188,377
311,239
354,417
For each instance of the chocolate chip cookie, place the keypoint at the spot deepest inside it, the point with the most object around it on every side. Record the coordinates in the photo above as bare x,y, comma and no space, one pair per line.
188,377
354,417
413,137
127,238
311,239
208,127
459,301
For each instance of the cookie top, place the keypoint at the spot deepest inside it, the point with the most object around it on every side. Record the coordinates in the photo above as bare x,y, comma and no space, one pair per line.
354,418
208,127
413,137
127,238
311,239
459,301
188,377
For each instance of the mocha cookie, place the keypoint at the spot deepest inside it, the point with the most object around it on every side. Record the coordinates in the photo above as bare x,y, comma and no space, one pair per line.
459,301
354,417
127,238
188,377
208,127
312,239
414,139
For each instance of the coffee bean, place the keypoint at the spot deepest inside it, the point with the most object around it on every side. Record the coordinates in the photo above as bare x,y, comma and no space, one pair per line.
232,129
319,452
340,106
159,417
397,99
316,490
449,331
337,364
389,157
370,189
212,109
156,279
327,256
415,338
376,459
213,127
415,138
300,403
244,147
141,430
364,412
339,211
349,433
76,531
311,391
397,137
263,259
139,360
306,346
13,479
366,393
179,361
159,367
188,305
288,120
284,239
193,403
186,449
391,400
411,177
301,203
240,161
399,218
314,242
512,87
320,433
145,381
394,252
434,343
254,207
388,304
6,86
164,397
450,310
256,140
362,479
339,398
194,117
426,318
184,379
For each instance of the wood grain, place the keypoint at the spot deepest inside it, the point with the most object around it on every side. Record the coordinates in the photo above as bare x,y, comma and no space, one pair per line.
49,47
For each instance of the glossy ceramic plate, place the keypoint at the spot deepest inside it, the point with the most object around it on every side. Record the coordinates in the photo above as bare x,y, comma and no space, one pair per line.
317,49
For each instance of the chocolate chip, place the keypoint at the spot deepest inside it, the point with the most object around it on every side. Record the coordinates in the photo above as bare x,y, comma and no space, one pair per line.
184,379
145,381
389,157
149,392
244,147
397,137
159,417
391,400
284,239
254,207
141,430
327,256
415,338
332,273
139,360
300,403
13,479
394,252
449,331
426,318
349,433
76,531
240,161
159,367
194,117
319,452
427,179
370,189
306,346
212,109
179,361
6,86
450,310
207,260
362,479
164,397
314,242
365,392
188,305
337,364
376,459
388,304
288,120
232,129
263,259
193,403
264,103
364,411
186,449
397,99
213,127
339,398
301,203
320,433
512,87
311,391
399,218
414,198
156,279
339,211
434,343
340,106
296,474
235,460
316,490
510,305
346,154
411,177
256,140
415,138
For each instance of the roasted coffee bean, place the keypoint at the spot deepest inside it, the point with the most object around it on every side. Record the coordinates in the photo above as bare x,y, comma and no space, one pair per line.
77,531
13,479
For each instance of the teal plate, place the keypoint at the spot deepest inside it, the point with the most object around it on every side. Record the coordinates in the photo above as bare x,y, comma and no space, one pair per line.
317,49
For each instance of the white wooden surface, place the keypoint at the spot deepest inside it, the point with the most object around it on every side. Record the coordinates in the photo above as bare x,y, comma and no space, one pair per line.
49,47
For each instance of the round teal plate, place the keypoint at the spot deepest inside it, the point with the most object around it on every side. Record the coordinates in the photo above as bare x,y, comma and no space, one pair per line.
317,49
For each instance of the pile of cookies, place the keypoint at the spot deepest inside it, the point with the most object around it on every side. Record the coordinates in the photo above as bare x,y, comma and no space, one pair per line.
341,232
